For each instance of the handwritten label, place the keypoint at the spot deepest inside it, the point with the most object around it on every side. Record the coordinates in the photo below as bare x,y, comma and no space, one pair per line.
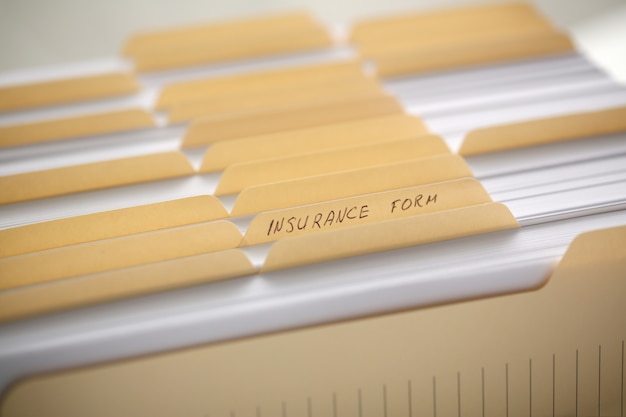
420,201
370,208
319,220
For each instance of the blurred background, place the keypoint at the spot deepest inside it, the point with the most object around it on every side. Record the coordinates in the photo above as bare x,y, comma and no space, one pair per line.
36,33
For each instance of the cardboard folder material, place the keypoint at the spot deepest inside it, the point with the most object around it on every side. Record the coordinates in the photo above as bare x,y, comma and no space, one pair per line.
122,283
257,82
115,253
387,235
544,131
73,127
475,35
159,40
474,356
415,60
65,91
405,44
300,94
217,42
365,209
253,123
108,224
237,177
446,23
557,349
302,141
93,176
213,51
349,183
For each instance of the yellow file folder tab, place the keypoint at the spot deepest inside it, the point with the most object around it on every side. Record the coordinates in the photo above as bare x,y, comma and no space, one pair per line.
108,224
387,235
542,131
302,141
72,127
253,123
455,22
248,38
257,82
472,52
556,350
67,91
604,249
217,51
188,110
85,290
447,40
93,176
454,38
237,177
174,38
309,190
366,209
233,29
115,253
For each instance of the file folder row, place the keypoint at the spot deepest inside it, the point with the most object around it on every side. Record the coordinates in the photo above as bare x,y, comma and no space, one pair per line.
137,183
291,177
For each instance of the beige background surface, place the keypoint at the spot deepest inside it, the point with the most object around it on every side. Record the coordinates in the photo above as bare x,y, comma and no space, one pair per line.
36,33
